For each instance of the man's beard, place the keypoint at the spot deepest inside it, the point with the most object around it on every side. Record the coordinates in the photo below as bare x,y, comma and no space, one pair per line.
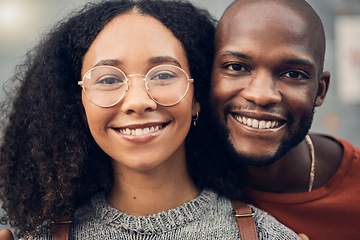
295,136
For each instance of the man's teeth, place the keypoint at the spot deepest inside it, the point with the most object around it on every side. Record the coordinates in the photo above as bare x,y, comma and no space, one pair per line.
261,124
140,131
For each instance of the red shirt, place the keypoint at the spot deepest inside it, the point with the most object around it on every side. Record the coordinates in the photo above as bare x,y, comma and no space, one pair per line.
330,212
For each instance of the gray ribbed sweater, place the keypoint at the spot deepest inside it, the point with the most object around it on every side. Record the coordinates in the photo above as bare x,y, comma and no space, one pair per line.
208,216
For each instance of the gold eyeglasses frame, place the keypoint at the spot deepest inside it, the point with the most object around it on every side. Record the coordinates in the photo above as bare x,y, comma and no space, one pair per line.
189,80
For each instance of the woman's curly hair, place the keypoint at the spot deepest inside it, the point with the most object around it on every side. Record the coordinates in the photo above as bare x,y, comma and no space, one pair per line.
49,162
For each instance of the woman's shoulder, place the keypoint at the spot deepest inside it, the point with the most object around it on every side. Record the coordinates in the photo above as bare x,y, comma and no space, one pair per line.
267,226
91,206
270,228
92,210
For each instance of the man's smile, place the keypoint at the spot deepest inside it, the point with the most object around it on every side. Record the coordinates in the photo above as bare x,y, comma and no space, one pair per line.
256,123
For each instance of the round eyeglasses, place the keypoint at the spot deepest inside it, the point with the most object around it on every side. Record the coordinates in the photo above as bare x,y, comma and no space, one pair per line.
105,86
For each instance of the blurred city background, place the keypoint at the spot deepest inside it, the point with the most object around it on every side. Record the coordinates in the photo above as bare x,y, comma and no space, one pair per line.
22,23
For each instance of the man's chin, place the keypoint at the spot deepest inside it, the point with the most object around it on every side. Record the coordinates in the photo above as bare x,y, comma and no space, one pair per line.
253,159
258,160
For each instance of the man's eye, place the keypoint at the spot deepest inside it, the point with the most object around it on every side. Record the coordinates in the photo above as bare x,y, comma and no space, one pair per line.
235,67
295,74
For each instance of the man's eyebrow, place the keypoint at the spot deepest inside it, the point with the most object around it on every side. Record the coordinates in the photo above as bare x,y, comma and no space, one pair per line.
304,62
164,60
108,62
299,62
235,54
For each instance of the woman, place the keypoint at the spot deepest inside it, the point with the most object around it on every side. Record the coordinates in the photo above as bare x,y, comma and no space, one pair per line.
96,134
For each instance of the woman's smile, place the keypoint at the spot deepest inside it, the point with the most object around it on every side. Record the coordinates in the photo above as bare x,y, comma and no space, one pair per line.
141,133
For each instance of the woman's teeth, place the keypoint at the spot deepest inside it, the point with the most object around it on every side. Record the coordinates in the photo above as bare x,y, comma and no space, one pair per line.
140,131
255,123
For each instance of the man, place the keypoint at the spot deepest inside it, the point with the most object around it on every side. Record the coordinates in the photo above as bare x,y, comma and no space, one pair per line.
267,79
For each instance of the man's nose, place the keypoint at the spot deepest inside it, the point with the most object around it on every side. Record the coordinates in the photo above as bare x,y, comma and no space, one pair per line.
262,89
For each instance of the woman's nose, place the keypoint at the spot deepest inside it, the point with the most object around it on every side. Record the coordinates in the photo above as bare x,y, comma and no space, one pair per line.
136,99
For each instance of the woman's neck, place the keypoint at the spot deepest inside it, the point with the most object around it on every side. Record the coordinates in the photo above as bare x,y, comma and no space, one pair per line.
142,194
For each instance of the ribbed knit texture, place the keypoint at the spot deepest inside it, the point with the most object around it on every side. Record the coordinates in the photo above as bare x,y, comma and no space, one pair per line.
208,216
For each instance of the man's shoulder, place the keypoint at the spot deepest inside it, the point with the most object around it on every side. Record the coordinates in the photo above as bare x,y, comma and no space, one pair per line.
335,144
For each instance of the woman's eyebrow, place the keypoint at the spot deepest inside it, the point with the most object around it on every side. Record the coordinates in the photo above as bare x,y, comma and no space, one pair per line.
153,60
163,60
108,62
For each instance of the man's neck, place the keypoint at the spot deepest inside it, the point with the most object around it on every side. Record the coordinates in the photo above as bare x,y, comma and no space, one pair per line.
290,174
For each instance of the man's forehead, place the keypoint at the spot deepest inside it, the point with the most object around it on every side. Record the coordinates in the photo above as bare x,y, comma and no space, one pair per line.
262,22
257,14
265,11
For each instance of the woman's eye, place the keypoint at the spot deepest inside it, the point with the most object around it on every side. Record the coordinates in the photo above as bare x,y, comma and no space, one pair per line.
162,76
109,80
295,75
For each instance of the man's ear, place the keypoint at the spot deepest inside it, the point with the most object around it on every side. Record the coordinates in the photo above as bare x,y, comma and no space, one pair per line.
324,81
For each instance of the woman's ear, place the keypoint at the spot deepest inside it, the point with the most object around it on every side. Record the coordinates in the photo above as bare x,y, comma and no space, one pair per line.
324,81
195,107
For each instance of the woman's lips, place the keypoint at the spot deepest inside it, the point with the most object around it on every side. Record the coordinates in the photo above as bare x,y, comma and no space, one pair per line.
141,134
140,131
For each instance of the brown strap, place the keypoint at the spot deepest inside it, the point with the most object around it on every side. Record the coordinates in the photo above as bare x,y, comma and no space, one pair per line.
62,231
244,218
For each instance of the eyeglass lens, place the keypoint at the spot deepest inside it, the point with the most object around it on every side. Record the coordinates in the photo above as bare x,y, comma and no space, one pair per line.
105,86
